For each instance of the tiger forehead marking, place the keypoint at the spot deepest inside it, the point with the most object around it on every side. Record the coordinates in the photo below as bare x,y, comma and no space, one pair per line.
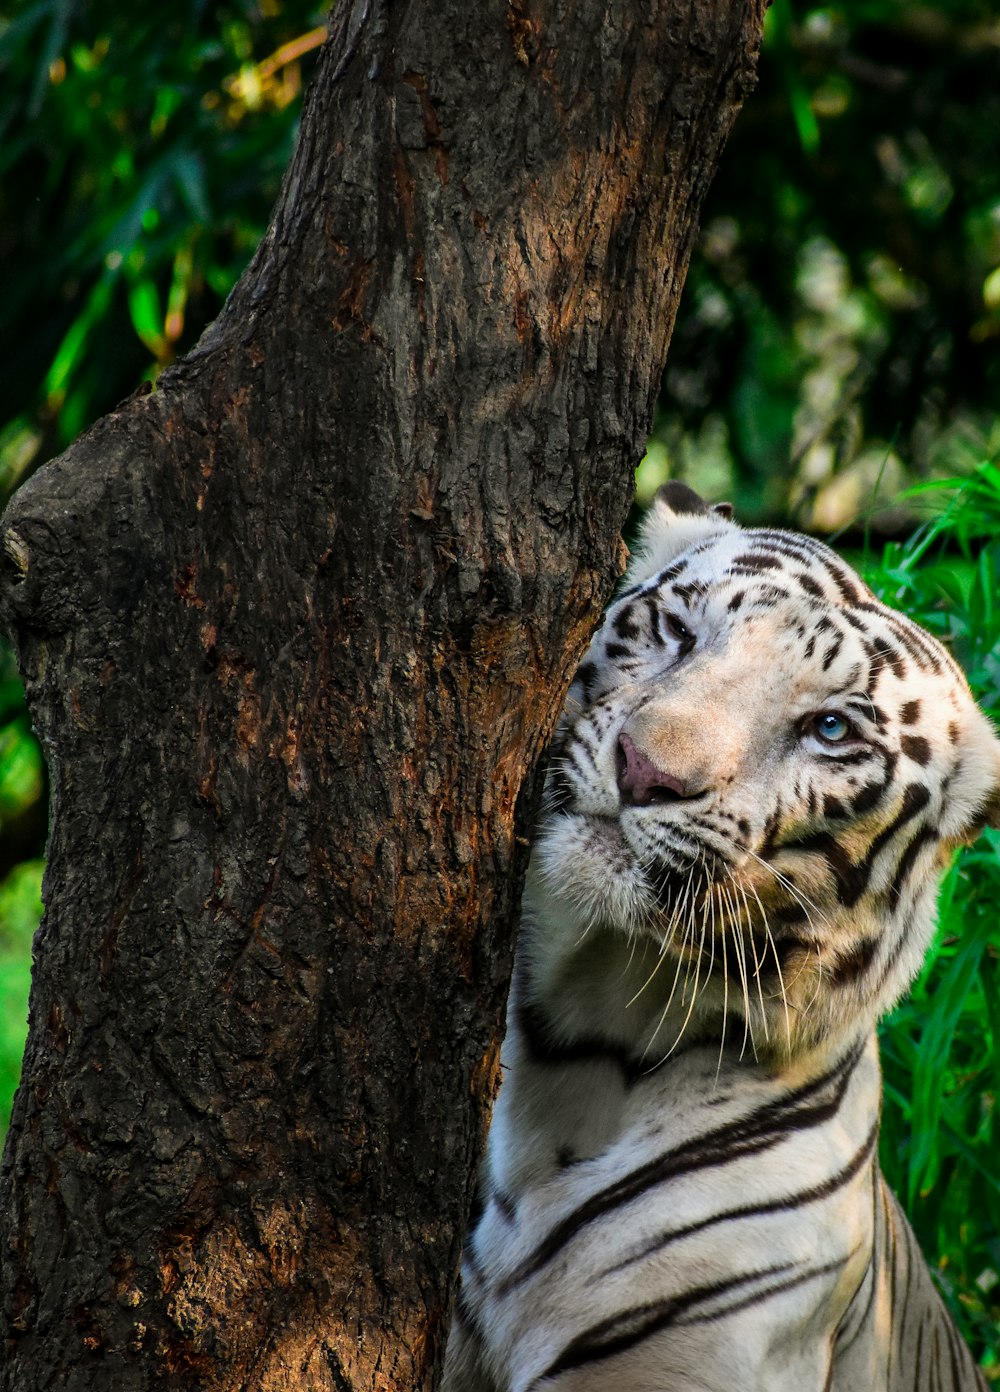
756,741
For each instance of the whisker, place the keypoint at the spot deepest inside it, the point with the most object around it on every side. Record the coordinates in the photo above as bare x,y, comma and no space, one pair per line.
777,962
756,960
819,982
670,997
801,899
725,986
686,907
669,935
745,985
711,960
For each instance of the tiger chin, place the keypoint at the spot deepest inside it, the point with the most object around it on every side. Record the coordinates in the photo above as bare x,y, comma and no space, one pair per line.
759,775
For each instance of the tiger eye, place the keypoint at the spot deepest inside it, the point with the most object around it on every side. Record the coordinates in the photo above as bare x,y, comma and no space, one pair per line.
832,727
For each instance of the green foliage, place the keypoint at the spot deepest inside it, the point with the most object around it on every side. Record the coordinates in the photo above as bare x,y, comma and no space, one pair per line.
842,312
838,331
20,910
941,1046
154,144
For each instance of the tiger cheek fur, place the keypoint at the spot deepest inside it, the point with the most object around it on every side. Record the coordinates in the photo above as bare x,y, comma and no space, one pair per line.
759,775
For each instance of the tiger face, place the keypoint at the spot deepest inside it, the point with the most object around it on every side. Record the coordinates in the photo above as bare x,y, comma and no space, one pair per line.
762,770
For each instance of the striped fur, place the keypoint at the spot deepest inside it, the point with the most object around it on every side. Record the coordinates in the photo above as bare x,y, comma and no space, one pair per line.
758,777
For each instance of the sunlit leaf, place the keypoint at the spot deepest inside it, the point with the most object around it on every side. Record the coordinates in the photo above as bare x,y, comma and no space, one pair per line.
144,308
20,911
20,768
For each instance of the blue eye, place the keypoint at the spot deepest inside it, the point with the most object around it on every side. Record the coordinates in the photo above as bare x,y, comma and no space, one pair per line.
831,727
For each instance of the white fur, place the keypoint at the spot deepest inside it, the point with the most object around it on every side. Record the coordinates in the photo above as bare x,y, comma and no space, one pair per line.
642,1027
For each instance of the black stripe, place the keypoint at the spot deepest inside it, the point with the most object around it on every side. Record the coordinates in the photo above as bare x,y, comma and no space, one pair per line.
905,1296
471,1266
570,754
505,1204
871,794
624,623
852,878
670,573
586,674
559,793
883,653
623,1331
924,649
810,1194
953,1359
809,585
918,1361
923,655
476,1210
858,624
810,1274
790,544
915,798
925,835
468,1316
889,1229
790,914
654,620
584,736
962,1362
761,1129
848,586
779,947
758,560
852,965
918,749
547,1050
859,1323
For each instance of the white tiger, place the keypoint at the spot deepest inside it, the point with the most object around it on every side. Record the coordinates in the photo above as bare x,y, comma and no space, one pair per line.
759,775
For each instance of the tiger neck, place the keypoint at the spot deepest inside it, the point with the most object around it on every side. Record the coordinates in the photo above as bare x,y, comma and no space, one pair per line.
580,989
593,1060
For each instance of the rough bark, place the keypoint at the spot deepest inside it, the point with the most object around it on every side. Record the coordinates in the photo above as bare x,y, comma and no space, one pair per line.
294,628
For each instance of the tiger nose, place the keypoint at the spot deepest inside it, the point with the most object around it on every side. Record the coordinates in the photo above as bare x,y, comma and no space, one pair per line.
640,781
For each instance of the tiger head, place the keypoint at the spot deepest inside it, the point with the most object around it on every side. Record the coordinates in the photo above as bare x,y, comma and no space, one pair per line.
764,770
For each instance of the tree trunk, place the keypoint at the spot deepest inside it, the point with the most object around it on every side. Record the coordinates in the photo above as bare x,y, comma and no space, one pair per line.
295,628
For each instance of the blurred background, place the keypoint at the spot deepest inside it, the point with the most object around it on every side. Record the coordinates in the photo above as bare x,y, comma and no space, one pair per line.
835,366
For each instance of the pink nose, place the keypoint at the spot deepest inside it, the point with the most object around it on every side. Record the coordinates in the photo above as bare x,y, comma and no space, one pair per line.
640,781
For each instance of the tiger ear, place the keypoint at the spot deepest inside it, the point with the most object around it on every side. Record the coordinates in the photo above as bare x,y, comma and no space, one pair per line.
677,518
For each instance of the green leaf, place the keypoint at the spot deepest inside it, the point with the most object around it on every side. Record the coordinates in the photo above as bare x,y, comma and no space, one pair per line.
146,315
20,911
